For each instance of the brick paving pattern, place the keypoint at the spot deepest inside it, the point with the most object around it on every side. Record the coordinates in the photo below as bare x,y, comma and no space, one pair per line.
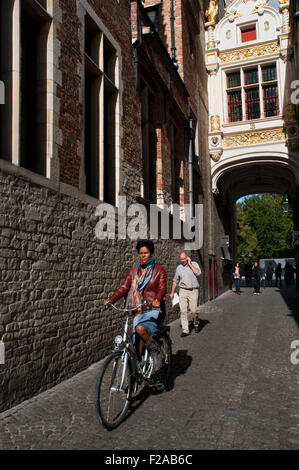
233,386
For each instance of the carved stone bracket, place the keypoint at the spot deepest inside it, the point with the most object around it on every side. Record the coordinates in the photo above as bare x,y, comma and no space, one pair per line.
215,156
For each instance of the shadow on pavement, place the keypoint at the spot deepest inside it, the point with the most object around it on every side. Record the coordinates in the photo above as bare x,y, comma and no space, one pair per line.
180,363
291,297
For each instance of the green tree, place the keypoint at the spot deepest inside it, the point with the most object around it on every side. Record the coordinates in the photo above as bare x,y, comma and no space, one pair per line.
265,230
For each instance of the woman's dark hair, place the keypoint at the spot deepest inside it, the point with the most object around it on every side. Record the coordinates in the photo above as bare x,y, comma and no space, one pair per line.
147,243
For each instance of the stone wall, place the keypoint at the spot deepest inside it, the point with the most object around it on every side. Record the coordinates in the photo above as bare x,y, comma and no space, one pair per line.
55,275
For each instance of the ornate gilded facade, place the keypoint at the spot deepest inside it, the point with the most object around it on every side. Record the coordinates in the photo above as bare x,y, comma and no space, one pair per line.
249,79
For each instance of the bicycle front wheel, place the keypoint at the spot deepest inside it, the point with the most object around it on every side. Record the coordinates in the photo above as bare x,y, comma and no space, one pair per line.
113,390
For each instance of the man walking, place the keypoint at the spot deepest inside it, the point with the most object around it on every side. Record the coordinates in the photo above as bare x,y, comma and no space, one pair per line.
257,275
186,277
270,272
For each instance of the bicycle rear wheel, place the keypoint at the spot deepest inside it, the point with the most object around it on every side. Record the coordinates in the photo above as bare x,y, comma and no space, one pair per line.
113,390
162,376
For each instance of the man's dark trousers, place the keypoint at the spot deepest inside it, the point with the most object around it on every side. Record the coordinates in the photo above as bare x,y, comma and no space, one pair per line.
257,285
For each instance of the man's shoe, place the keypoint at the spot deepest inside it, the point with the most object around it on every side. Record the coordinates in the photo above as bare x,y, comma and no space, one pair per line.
184,334
197,330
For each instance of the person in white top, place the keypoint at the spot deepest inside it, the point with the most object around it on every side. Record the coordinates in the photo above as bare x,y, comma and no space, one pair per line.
186,277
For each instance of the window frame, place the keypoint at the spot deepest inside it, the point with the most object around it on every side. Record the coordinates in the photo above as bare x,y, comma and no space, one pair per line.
98,67
243,87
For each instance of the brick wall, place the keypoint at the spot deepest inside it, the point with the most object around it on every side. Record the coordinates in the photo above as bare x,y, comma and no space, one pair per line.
55,275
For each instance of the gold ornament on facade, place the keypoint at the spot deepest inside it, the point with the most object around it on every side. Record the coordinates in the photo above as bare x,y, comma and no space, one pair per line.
249,52
215,123
215,156
211,11
259,7
283,2
254,138
232,15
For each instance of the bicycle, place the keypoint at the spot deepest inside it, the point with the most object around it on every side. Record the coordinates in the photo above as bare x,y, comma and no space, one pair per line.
122,372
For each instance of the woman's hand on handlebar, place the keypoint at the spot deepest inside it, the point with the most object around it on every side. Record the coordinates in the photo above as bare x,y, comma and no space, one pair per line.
156,303
105,302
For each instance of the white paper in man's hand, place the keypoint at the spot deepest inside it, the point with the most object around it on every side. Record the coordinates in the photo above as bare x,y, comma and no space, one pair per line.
175,299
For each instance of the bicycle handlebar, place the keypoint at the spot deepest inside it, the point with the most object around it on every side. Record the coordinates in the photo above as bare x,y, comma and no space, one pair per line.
143,304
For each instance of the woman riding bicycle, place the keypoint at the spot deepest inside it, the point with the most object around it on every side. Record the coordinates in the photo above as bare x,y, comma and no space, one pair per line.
147,281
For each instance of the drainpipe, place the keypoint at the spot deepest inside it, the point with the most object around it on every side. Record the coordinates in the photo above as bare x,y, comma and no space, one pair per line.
190,168
173,48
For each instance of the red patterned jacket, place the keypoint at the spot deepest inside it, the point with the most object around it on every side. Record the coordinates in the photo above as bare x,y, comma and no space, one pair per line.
154,290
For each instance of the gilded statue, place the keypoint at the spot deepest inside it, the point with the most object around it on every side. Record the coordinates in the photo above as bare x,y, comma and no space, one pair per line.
211,11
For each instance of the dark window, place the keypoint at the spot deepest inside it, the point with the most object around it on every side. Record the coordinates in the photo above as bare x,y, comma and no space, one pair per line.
43,3
233,79
28,122
93,80
269,73
110,97
109,60
252,103
234,106
149,147
92,124
271,100
251,76
153,16
92,40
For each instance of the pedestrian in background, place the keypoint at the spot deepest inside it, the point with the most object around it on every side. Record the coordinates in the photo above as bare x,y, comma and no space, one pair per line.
257,275
237,278
278,275
270,272
186,277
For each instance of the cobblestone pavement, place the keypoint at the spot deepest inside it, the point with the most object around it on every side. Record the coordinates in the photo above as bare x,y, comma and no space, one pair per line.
233,387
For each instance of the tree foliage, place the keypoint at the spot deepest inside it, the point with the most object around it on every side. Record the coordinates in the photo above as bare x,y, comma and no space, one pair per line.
265,231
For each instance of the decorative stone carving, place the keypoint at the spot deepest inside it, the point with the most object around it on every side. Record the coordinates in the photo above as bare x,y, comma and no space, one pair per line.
254,138
259,7
215,141
251,52
266,25
216,156
232,14
211,11
215,123
211,35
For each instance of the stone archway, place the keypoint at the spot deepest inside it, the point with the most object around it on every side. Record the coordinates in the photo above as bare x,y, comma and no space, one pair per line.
233,181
